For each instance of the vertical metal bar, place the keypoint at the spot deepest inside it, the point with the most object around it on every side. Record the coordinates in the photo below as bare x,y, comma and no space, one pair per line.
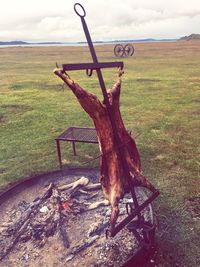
100,77
89,40
59,152
118,143
95,60
135,201
74,148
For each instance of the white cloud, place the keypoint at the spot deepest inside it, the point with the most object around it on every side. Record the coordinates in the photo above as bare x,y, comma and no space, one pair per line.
48,20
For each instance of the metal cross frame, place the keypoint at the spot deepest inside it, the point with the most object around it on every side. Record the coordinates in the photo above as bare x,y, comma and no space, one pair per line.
89,67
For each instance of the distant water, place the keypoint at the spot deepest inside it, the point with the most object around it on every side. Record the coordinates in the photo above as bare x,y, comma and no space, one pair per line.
85,44
43,45
62,44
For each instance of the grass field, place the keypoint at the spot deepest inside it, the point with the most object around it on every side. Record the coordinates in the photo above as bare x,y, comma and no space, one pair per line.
160,100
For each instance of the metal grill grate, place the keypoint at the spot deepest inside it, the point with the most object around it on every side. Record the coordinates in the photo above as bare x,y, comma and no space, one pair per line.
79,134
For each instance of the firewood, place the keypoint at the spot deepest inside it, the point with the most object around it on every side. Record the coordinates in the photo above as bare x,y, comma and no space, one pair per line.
64,236
83,181
90,196
83,192
11,243
16,230
92,187
85,244
97,228
25,216
59,218
98,204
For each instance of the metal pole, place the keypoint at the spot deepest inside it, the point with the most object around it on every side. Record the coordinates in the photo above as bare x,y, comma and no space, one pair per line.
117,141
118,144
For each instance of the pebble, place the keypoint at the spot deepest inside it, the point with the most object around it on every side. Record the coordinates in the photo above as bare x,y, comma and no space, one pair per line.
44,209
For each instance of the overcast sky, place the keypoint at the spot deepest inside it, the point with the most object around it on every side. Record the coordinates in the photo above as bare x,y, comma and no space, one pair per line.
51,20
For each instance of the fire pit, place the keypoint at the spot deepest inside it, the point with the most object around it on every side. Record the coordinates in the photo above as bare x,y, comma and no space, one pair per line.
60,219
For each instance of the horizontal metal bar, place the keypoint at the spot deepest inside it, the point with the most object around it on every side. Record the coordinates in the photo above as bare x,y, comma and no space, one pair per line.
128,219
93,66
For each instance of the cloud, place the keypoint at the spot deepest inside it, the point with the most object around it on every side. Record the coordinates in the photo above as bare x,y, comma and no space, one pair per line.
49,20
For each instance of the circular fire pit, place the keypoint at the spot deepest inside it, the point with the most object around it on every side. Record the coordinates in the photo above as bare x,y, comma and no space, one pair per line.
45,221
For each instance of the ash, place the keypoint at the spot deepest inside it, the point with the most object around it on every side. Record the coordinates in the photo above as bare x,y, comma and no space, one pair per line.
65,225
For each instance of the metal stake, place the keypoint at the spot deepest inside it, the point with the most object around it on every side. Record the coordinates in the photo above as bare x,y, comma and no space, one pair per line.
117,142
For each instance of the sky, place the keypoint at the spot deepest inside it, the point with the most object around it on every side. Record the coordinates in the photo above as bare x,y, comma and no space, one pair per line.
51,20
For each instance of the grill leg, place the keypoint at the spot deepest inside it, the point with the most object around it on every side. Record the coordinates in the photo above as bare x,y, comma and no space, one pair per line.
59,152
135,201
74,148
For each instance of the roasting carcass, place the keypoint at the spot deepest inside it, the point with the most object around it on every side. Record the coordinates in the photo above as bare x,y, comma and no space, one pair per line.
113,179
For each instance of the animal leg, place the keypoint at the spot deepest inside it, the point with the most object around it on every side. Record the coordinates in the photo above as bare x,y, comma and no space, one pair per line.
114,215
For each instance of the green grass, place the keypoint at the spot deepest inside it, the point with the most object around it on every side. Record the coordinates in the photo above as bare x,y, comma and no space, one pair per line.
159,100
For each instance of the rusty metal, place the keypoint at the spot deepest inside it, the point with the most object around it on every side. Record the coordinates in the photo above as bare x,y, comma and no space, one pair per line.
80,135
73,135
135,213
93,66
124,51
128,50
89,67
119,50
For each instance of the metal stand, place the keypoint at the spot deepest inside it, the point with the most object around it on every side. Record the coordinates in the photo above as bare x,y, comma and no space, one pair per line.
147,230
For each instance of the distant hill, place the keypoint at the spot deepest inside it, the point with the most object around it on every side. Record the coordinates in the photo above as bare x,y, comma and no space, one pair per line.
190,37
13,43
139,40
26,43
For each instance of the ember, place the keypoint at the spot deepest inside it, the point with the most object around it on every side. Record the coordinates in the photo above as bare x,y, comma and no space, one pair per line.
63,225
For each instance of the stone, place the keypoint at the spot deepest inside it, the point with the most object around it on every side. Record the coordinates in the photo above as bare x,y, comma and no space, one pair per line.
44,209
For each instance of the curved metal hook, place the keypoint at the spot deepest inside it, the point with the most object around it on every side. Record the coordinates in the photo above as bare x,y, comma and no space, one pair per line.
89,72
81,9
